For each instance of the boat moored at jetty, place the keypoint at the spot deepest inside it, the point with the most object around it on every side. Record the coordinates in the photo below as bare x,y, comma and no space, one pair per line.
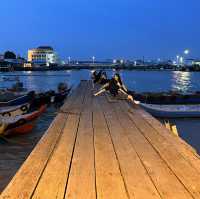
19,100
13,111
167,98
20,124
20,119
172,111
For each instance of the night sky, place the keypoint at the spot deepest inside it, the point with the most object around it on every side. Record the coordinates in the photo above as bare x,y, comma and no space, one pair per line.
103,28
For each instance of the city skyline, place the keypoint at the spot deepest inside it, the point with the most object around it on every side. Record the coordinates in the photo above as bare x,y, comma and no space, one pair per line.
104,29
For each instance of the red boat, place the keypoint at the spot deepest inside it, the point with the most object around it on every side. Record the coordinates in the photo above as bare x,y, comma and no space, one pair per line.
21,124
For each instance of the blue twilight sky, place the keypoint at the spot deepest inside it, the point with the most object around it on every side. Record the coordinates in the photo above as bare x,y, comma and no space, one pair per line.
103,28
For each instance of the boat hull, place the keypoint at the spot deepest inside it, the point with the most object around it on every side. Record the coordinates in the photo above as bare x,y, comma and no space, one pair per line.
166,99
24,124
16,102
20,130
172,111
13,111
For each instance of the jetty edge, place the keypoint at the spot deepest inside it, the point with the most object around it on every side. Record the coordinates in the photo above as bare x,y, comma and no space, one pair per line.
96,148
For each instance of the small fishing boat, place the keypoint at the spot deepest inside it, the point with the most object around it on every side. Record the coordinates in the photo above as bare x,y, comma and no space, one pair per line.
12,111
167,98
6,95
20,124
17,87
172,111
19,100
60,96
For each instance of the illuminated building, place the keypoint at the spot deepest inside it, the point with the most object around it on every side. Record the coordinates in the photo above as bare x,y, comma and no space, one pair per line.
43,55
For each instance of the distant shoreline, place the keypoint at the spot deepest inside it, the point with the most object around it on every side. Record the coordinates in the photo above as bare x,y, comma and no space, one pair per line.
102,67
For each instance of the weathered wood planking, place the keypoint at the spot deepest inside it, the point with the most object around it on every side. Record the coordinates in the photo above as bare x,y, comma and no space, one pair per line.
25,181
109,180
184,171
186,150
102,149
81,182
156,169
54,178
138,183
161,175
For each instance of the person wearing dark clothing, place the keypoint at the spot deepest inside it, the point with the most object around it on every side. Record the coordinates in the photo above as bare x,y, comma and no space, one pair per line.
114,86
96,76
103,80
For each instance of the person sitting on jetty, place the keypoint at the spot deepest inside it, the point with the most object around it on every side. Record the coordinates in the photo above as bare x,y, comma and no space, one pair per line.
103,79
114,86
96,76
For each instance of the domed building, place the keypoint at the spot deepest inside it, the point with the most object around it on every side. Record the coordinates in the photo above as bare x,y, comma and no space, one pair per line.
43,55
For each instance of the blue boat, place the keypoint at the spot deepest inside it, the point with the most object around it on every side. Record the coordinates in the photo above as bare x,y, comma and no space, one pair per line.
172,111
167,99
18,101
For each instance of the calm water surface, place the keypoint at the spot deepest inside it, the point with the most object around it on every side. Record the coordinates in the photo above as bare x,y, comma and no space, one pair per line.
13,152
140,81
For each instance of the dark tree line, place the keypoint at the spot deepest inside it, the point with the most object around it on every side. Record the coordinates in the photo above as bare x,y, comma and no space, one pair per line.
9,55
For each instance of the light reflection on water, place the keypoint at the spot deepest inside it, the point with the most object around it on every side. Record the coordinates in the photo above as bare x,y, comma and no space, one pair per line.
181,81
140,81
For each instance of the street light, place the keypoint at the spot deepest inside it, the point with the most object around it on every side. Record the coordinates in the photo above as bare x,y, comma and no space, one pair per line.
114,61
181,60
69,60
93,59
186,52
177,59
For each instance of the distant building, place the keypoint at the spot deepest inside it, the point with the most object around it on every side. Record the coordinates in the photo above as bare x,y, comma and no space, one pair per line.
196,62
43,55
139,62
27,65
1,57
189,62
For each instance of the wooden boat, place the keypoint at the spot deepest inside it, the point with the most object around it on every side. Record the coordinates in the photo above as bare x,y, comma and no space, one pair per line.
172,111
12,111
167,98
60,96
20,124
21,129
18,101
6,95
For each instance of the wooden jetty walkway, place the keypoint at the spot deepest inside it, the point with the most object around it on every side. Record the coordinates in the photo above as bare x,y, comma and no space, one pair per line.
98,149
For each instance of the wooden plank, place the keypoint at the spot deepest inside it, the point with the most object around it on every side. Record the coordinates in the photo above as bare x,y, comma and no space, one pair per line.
181,146
24,182
109,181
75,93
137,180
165,133
53,181
181,168
174,130
81,182
167,125
166,183
75,108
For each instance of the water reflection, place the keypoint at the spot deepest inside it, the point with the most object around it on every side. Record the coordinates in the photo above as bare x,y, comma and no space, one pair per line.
139,81
181,81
